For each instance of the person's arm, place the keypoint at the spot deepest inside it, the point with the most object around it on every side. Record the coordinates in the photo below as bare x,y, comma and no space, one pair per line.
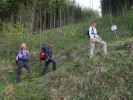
17,58
28,54
50,53
92,37
91,32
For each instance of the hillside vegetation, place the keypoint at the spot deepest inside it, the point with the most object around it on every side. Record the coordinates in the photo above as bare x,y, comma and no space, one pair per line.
77,77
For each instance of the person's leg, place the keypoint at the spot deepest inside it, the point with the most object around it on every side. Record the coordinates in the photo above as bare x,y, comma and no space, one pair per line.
104,45
92,48
42,64
46,64
53,63
18,72
116,35
27,67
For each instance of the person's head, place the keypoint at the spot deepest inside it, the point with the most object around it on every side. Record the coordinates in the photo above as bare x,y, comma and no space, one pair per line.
23,46
93,23
43,49
50,44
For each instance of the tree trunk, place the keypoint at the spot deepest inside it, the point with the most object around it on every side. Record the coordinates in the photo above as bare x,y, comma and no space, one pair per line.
54,20
33,15
44,20
60,18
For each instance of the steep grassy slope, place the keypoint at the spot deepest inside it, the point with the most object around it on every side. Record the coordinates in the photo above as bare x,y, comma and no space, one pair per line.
77,76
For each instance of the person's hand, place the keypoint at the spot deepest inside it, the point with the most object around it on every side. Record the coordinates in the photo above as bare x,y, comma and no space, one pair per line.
16,62
93,40
41,61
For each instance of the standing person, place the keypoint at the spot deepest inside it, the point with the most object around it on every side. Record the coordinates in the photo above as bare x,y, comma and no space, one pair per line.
114,29
22,61
46,56
95,39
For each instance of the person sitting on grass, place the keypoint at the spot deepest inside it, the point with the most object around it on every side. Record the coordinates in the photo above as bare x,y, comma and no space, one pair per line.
22,61
95,39
46,57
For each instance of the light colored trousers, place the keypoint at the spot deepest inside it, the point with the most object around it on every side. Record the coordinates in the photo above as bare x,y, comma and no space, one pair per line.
98,41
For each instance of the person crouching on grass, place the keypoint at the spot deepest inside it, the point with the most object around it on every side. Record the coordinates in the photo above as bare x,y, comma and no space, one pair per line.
22,61
46,57
95,39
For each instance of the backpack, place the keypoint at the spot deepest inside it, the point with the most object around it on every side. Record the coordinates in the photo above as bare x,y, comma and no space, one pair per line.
87,33
47,50
43,56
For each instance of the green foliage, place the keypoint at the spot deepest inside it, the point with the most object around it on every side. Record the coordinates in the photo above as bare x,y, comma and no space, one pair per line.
2,86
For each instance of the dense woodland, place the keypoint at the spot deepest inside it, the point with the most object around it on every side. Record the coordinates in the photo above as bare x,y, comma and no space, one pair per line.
39,15
116,7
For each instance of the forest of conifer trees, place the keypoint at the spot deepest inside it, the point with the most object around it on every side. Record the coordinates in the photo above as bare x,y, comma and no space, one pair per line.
116,7
39,15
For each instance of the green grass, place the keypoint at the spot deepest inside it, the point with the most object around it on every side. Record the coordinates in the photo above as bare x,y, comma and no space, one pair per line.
78,77
2,86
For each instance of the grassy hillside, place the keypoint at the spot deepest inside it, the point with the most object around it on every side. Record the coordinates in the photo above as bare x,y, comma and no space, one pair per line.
77,77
